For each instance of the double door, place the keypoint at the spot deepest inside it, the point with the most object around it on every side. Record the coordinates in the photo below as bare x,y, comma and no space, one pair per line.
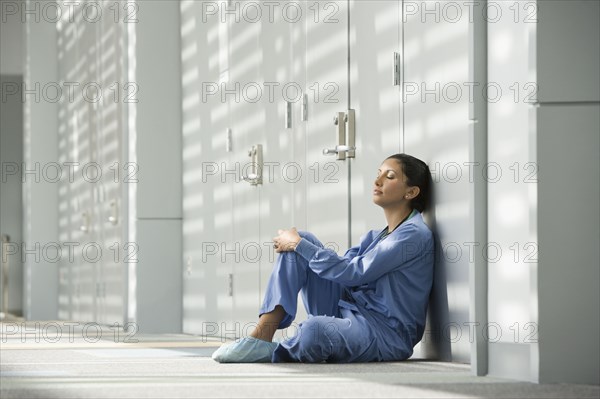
255,160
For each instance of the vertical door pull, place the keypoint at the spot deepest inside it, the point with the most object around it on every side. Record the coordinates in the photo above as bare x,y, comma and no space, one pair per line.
396,69
114,213
288,114
340,122
256,165
340,150
304,108
351,132
85,222
228,140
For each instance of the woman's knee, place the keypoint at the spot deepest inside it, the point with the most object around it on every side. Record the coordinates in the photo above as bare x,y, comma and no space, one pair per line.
335,339
311,343
317,330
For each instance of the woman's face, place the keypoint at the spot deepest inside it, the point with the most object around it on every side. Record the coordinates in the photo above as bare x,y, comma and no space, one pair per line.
390,188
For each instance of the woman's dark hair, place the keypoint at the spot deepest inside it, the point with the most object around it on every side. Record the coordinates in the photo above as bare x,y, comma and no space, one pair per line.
417,174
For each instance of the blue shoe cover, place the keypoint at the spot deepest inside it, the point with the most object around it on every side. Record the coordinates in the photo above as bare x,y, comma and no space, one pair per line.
246,350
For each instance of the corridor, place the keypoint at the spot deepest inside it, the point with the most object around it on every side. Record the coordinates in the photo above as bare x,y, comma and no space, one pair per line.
162,163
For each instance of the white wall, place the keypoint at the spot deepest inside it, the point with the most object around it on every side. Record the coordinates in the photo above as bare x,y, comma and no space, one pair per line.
510,298
40,195
543,207
568,224
436,129
11,70
156,143
11,211
566,124
11,37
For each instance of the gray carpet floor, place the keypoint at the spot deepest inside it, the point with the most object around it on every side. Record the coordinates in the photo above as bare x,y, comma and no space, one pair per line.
44,365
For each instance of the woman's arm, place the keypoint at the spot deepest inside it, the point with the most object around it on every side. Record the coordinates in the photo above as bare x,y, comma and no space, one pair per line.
396,250
287,240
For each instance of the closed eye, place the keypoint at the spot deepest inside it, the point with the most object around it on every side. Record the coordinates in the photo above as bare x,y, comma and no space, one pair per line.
390,175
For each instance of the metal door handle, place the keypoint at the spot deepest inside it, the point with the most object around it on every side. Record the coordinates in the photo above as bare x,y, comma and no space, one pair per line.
114,217
304,108
345,147
340,122
288,115
396,76
351,132
85,219
255,176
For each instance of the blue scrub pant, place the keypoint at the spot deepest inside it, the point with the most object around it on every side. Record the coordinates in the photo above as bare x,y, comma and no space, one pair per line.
330,333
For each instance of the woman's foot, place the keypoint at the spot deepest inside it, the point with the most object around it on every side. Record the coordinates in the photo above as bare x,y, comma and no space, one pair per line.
246,350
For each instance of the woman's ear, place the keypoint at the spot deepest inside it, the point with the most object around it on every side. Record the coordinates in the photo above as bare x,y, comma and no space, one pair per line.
412,192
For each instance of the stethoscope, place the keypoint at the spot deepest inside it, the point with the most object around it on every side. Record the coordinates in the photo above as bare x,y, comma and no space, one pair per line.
385,232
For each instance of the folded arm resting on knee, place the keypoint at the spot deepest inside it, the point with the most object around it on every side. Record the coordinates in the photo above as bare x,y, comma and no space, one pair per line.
372,260
286,240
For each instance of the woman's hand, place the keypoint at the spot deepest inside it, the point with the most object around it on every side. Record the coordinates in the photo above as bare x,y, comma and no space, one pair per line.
286,240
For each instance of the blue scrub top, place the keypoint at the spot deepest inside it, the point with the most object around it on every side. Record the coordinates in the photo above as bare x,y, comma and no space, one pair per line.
387,281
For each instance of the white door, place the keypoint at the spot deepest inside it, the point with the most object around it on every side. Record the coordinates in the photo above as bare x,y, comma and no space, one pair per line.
68,217
83,268
283,189
248,121
85,255
326,66
304,188
207,187
300,186
375,38
116,253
